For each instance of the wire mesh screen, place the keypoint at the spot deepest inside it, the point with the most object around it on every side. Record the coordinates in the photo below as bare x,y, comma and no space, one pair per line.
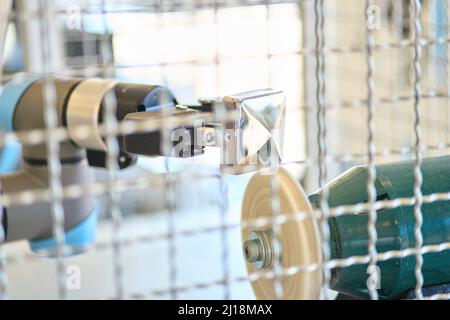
366,83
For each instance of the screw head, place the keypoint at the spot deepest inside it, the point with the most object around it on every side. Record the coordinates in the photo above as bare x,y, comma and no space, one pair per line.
252,250
208,137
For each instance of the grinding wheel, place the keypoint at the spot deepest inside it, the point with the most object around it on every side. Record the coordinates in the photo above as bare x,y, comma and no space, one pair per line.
298,240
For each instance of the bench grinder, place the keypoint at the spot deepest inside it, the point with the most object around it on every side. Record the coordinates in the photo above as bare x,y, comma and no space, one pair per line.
298,242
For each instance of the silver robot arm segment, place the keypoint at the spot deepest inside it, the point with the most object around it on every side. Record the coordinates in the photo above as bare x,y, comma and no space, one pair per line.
78,102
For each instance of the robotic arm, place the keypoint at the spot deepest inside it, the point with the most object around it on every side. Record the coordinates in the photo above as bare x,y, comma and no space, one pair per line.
81,103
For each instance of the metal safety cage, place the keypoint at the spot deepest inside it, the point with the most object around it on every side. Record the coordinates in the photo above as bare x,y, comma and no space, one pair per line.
363,130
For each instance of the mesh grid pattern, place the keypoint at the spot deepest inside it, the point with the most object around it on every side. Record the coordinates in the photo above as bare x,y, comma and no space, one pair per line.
351,82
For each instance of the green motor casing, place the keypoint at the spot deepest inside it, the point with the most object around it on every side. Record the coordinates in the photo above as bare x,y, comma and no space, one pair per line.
395,227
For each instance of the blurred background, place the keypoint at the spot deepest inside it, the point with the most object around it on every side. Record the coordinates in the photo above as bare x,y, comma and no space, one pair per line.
206,50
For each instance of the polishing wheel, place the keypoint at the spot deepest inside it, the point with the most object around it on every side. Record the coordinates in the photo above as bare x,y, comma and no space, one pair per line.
296,244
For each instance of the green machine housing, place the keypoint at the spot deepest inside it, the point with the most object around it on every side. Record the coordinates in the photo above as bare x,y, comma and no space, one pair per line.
395,227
